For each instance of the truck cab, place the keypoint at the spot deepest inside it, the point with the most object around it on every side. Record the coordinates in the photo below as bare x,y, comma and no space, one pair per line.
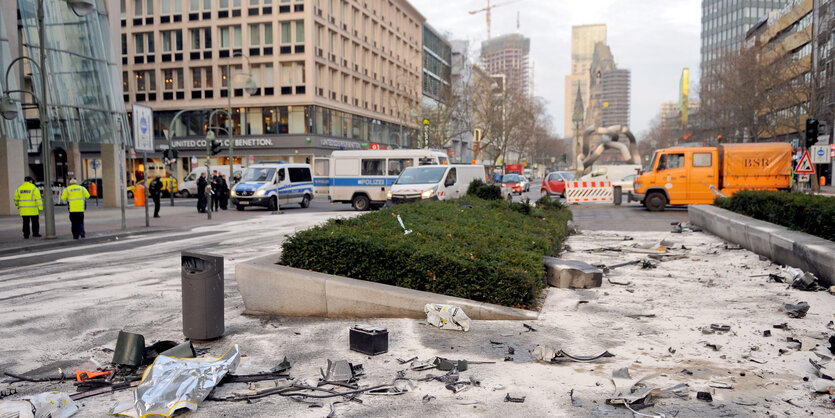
678,176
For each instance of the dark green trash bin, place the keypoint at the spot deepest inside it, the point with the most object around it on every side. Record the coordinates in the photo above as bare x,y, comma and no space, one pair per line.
202,278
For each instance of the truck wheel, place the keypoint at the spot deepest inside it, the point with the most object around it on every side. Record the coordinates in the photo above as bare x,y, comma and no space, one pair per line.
618,196
305,201
656,202
273,205
361,202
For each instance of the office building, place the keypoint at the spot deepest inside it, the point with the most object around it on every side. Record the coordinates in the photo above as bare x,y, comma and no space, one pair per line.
784,45
724,27
306,77
437,73
509,55
583,40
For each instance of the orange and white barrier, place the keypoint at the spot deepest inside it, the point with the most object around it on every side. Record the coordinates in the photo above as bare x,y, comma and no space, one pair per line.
589,191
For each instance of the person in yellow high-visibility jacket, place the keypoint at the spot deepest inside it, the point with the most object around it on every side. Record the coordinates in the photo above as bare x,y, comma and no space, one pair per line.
27,199
76,195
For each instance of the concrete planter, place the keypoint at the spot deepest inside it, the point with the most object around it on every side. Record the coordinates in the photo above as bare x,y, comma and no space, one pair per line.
271,289
780,244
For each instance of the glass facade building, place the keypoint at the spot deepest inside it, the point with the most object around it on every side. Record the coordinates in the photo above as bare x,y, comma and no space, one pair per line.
84,102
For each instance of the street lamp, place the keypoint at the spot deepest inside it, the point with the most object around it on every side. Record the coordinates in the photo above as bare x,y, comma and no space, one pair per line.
250,88
9,111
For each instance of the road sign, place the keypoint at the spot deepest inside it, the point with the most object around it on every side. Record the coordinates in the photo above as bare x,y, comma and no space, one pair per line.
95,164
132,153
143,135
820,154
805,165
426,122
803,178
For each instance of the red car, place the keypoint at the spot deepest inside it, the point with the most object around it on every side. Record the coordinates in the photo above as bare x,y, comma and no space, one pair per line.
513,182
554,183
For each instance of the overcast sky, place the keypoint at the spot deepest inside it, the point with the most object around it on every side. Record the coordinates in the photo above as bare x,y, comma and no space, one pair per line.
654,39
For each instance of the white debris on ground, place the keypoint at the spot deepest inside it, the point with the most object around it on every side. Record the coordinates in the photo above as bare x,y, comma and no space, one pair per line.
667,326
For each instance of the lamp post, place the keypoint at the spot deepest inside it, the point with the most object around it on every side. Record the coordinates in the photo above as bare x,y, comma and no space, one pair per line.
251,89
9,111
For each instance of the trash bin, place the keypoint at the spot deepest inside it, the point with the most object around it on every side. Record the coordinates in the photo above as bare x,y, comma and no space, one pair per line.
202,279
617,197
139,195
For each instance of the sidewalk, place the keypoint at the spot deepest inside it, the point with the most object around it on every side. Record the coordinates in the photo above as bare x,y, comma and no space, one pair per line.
828,191
105,224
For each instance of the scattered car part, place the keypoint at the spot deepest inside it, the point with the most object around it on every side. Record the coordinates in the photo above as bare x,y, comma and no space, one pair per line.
704,396
514,398
797,310
368,339
130,349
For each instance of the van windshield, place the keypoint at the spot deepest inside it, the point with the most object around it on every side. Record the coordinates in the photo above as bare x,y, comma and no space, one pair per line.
258,174
421,175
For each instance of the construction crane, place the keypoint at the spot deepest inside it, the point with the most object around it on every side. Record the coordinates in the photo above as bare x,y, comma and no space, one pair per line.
488,9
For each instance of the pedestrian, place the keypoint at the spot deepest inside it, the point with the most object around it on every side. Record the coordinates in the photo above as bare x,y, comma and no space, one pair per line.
202,183
155,189
215,191
27,199
236,179
224,192
76,195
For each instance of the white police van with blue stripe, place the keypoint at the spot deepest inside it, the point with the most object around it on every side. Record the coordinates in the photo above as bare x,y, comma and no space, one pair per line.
274,184
363,178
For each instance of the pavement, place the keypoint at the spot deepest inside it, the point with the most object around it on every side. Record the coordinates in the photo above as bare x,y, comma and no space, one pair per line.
105,224
62,306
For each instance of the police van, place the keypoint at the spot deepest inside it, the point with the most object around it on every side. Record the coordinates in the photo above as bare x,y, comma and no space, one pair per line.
272,185
363,178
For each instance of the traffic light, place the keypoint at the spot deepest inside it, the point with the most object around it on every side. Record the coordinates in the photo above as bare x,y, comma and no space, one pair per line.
216,146
811,132
174,154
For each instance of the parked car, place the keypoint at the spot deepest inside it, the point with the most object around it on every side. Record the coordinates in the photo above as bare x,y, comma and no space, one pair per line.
513,182
86,183
554,183
526,184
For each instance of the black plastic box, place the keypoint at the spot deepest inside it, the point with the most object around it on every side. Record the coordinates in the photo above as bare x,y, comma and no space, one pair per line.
369,339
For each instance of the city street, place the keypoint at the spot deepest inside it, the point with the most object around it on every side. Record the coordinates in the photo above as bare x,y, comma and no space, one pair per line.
67,304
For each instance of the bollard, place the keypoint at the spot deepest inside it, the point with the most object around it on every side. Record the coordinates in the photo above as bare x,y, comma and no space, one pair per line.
202,280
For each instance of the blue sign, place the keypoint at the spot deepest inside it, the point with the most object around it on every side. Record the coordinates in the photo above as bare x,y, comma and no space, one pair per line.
821,153
143,125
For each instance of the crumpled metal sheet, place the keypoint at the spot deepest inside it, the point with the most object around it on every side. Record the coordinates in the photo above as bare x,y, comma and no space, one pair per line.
175,383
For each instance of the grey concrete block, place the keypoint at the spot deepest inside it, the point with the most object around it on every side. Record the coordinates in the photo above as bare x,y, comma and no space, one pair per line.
271,289
780,244
570,274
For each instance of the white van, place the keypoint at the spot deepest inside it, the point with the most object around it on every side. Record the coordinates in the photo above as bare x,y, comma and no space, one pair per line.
362,178
437,183
274,184
188,187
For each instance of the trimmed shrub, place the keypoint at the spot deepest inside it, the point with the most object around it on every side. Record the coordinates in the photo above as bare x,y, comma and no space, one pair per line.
472,248
484,191
811,214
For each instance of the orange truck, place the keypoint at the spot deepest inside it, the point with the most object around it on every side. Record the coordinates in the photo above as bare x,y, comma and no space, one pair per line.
692,176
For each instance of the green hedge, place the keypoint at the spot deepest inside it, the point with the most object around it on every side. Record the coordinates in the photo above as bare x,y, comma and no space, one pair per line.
811,214
477,249
484,191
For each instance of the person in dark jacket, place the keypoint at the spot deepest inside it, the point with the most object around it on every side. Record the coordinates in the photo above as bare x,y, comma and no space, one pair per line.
155,188
224,192
216,192
201,193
